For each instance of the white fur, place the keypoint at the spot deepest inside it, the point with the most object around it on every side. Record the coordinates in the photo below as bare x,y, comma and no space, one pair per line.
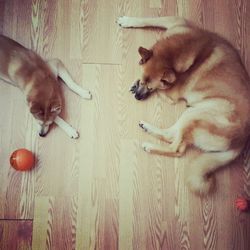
147,147
209,142
161,22
59,69
70,131
197,175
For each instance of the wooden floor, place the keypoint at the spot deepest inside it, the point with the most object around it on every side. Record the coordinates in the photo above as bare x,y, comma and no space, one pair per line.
103,191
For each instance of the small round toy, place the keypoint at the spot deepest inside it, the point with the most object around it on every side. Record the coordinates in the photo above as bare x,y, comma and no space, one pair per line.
22,159
242,204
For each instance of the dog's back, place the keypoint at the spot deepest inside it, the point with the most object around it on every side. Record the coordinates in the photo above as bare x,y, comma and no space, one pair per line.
18,64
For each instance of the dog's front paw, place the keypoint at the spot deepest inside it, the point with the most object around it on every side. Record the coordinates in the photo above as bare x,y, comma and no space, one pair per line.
85,94
73,133
143,125
147,147
125,21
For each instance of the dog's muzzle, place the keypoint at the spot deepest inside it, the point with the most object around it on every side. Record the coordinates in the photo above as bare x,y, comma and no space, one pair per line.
140,92
43,130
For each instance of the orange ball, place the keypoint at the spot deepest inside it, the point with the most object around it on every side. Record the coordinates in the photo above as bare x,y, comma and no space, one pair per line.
242,204
22,159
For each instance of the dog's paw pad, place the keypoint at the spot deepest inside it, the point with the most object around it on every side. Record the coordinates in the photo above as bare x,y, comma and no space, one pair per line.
147,147
124,21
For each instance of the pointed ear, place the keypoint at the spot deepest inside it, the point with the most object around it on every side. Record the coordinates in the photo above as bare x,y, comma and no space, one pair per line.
169,76
145,54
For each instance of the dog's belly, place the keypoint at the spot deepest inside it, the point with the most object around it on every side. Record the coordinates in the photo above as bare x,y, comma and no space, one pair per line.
209,142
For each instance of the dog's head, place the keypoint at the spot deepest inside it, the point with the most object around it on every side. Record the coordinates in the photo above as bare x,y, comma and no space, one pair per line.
45,102
157,74
45,113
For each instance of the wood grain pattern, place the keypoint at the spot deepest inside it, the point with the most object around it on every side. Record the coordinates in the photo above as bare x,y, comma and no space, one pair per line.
54,216
127,180
155,4
103,191
16,234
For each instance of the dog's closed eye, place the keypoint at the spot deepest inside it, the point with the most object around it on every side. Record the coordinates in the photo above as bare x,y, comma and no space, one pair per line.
56,109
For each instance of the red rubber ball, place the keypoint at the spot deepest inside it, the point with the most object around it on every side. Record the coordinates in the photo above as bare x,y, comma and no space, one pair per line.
241,204
22,159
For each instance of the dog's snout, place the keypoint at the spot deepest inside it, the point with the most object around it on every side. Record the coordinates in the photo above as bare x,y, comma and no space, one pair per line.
43,130
42,134
138,97
140,90
142,95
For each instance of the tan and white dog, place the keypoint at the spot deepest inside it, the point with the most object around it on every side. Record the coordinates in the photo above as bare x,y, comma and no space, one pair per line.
204,69
39,82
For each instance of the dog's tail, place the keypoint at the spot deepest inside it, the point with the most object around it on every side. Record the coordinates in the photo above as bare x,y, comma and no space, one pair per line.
199,176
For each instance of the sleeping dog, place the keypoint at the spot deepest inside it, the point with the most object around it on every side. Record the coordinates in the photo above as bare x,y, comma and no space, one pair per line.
204,69
39,82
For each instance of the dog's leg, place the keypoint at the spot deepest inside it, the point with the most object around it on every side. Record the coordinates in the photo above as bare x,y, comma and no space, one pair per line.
175,134
167,22
168,150
163,134
69,130
60,70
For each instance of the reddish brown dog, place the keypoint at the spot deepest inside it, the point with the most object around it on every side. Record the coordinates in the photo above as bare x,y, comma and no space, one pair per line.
39,81
206,71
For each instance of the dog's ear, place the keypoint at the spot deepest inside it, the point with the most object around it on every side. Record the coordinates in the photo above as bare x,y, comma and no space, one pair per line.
168,76
56,108
145,54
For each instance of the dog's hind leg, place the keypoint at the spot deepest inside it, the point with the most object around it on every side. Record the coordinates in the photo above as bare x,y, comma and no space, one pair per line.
166,135
60,70
168,150
167,22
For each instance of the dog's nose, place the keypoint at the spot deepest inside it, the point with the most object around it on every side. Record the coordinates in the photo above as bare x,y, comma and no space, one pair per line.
42,135
138,97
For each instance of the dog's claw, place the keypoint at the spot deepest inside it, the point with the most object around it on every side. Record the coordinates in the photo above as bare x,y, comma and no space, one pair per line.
85,94
90,95
142,125
147,147
124,22
75,135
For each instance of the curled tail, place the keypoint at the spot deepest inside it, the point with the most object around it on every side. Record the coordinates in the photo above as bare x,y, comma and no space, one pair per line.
199,176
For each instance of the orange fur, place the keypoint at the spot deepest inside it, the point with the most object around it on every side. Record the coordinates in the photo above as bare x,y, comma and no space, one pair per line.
206,71
39,82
